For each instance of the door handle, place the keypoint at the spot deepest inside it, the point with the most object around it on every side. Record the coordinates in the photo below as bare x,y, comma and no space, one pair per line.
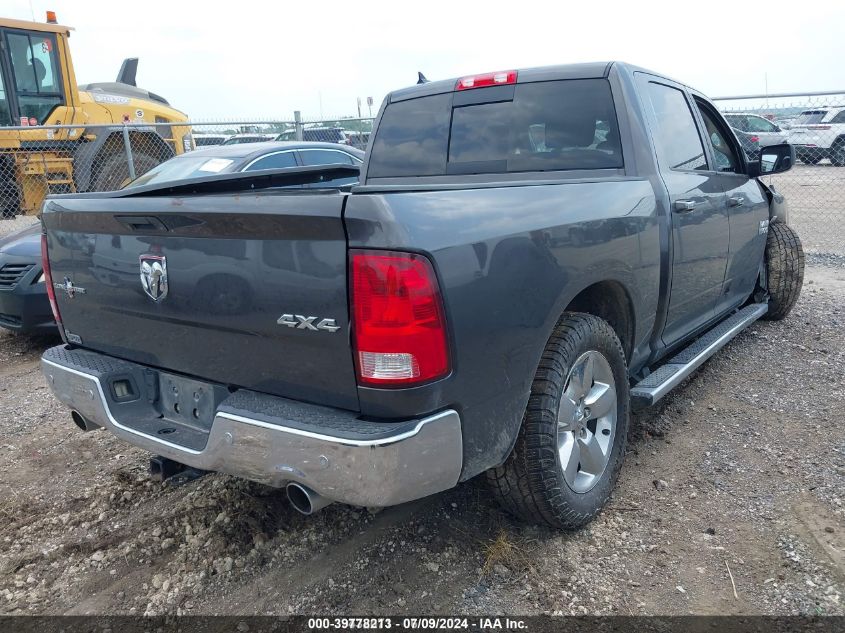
735,201
684,206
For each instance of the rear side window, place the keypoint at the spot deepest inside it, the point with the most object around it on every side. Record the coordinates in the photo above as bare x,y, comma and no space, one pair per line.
325,157
737,121
759,124
676,136
278,160
546,126
810,117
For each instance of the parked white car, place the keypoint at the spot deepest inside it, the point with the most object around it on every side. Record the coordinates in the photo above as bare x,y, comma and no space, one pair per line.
767,132
818,134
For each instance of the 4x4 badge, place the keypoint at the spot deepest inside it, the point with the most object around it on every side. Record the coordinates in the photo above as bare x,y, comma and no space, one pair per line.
307,323
154,276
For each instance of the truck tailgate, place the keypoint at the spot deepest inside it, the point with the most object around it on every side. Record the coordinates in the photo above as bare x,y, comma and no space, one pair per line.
235,265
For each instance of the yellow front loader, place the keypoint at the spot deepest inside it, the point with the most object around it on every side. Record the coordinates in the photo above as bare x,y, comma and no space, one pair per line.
38,92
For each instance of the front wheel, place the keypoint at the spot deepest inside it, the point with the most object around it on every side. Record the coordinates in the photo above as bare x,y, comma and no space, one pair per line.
114,170
784,269
837,154
572,440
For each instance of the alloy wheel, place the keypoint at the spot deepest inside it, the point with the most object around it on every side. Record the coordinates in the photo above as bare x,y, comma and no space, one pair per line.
586,421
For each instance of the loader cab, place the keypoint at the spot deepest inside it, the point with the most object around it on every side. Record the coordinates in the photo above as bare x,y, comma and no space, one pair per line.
37,86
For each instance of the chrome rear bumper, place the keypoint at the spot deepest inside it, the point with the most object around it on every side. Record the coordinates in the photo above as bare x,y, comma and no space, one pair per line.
366,464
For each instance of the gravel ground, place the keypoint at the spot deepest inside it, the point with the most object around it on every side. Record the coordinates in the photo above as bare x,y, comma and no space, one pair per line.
8,225
742,469
816,198
730,502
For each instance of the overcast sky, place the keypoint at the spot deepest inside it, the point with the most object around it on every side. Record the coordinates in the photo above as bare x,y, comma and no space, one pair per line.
251,59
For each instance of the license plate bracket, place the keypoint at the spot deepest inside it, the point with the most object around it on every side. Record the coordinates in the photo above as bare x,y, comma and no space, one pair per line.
189,402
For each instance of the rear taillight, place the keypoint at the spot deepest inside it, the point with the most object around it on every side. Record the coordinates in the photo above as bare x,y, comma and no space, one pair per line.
501,78
754,139
48,281
399,330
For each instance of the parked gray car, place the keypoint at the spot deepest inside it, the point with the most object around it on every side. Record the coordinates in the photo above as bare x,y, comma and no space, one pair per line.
24,306
227,159
529,256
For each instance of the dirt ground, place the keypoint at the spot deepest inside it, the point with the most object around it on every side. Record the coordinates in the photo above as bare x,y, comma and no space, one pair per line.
731,501
738,473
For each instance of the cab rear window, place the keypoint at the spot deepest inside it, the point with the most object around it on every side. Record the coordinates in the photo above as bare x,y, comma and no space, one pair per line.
544,126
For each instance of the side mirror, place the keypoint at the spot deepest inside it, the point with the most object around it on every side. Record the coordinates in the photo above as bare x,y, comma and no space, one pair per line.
774,159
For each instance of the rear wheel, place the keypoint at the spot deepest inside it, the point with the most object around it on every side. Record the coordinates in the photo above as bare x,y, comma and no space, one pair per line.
784,269
114,172
572,440
811,160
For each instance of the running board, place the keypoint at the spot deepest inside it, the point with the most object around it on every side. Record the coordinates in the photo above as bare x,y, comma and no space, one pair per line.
660,382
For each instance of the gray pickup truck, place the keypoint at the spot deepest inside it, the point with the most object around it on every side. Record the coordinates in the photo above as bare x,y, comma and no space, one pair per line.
528,256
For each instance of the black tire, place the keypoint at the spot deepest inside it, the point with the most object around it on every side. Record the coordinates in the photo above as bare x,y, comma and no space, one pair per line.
114,172
784,269
837,154
811,160
531,484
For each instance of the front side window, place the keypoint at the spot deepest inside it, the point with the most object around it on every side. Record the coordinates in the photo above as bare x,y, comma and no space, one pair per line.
36,78
723,151
5,110
676,136
839,118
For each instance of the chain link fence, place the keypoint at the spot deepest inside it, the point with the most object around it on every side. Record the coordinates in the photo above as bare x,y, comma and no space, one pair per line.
353,132
37,161
815,187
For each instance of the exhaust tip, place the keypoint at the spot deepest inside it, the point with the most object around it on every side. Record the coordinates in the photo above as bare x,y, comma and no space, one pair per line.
304,500
82,422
